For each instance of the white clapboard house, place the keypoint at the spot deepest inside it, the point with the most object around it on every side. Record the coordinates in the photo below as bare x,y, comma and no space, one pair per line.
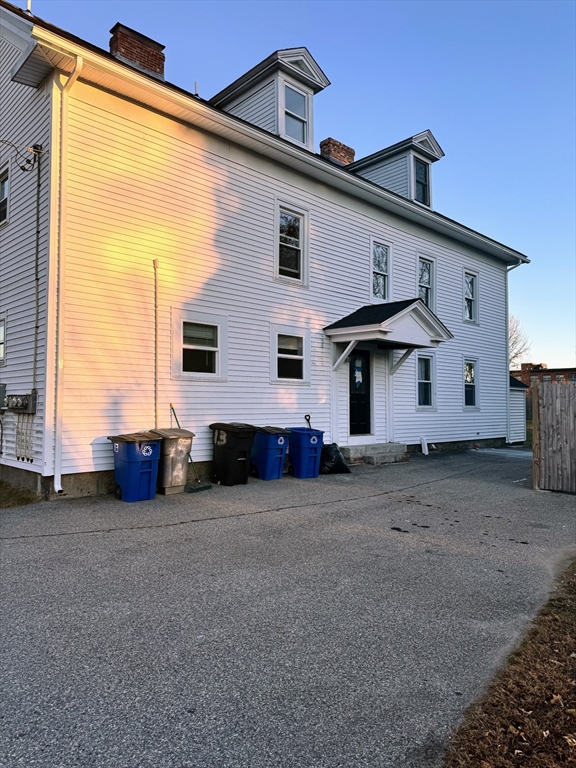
159,248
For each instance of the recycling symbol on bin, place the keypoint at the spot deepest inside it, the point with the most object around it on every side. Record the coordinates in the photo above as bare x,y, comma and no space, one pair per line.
147,450
313,439
280,441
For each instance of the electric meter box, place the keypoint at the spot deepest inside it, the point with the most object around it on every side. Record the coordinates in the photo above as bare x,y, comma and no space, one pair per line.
21,403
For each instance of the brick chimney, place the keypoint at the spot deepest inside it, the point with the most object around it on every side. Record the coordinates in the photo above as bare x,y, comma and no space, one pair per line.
139,51
337,152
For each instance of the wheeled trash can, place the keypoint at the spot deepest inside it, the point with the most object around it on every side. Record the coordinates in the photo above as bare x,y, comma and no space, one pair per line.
174,454
269,452
232,447
305,449
135,465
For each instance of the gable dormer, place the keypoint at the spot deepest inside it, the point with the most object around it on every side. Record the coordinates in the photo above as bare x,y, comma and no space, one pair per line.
404,168
277,95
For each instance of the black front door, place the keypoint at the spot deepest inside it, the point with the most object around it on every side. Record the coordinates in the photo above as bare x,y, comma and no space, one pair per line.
360,393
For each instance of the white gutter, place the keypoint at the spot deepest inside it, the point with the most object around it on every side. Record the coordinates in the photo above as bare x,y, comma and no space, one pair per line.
508,429
61,279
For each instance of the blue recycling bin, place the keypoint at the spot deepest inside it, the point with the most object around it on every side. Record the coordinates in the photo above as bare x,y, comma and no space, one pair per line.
269,452
305,450
136,465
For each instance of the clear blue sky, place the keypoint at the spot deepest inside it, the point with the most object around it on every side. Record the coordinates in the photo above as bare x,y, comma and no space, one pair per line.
494,82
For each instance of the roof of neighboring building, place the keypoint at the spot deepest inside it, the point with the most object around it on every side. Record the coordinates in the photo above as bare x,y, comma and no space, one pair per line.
517,384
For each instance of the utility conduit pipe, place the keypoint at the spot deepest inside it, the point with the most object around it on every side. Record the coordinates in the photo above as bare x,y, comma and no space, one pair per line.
61,261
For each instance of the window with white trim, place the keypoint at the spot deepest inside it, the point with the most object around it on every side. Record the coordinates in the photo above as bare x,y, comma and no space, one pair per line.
547,377
470,383
470,297
380,270
295,114
290,354
421,182
2,341
4,192
559,377
291,255
425,389
425,280
198,345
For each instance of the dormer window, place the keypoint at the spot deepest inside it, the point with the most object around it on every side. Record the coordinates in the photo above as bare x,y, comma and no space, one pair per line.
421,182
277,95
295,114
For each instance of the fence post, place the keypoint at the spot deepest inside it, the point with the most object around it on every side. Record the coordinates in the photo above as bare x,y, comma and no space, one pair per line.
534,391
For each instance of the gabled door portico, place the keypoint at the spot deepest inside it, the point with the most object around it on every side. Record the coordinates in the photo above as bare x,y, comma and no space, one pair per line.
401,325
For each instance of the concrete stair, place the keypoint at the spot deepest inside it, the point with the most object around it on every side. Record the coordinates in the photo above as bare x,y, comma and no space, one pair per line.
375,453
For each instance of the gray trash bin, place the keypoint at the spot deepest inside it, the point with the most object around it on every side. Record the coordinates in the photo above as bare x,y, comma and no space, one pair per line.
173,464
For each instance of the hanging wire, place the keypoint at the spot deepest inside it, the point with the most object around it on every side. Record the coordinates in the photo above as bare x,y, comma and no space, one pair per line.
29,162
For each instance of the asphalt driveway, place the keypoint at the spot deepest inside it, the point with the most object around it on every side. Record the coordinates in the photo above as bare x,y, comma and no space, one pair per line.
344,621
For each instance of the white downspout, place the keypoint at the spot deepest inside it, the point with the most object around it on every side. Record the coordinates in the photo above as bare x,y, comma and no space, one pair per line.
61,282
508,269
156,342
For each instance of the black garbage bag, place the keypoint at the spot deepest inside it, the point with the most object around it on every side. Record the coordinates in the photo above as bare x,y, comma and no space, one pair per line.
331,461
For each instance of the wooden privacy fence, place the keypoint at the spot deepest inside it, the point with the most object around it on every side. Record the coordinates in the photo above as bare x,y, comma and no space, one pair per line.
554,436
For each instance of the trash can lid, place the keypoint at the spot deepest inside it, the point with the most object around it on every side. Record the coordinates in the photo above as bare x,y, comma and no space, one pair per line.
233,426
172,432
274,430
134,437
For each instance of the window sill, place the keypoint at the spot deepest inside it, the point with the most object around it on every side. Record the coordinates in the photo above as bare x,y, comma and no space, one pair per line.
198,377
426,409
296,282
468,408
470,322
290,382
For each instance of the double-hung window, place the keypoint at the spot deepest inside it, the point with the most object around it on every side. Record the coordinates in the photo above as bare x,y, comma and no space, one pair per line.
290,363
421,182
198,345
295,118
289,354
199,348
380,270
425,393
4,188
470,382
291,244
425,276
470,297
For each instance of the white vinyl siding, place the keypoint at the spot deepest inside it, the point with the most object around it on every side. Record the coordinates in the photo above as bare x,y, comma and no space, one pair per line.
517,415
393,175
258,108
24,121
214,234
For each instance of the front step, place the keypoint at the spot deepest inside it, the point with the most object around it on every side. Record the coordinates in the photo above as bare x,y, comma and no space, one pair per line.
375,453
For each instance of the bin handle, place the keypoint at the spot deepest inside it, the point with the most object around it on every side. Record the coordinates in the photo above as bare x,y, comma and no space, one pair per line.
307,419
